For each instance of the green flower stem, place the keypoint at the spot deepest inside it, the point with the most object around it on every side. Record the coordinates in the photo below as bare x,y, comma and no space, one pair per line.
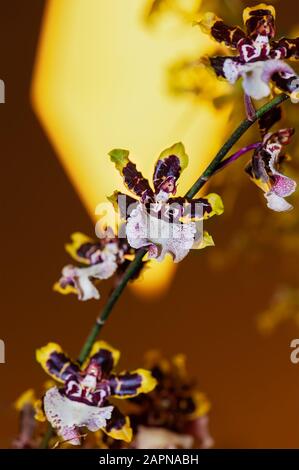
132,269
49,433
130,272
136,263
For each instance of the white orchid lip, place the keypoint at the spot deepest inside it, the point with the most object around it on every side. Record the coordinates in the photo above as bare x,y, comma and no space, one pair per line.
144,229
253,83
277,203
68,416
256,75
259,59
80,279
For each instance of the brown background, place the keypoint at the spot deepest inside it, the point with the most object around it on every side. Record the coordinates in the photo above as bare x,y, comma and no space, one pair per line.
208,315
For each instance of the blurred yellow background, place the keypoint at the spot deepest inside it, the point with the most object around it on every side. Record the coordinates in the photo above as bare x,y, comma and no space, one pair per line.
99,83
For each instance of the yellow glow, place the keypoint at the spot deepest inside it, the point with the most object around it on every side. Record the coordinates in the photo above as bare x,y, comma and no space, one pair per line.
99,83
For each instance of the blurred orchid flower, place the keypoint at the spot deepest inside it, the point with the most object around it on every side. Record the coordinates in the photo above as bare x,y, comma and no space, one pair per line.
82,399
156,220
259,59
99,259
264,167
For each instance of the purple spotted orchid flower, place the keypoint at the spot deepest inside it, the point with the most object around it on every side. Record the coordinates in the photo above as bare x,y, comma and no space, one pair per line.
264,169
82,399
176,414
156,220
264,166
260,59
99,260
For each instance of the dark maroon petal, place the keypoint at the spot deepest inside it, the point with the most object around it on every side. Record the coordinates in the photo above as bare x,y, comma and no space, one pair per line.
282,136
260,21
116,422
60,366
166,173
258,167
289,48
269,119
136,182
123,267
177,207
122,203
130,384
168,168
104,359
133,178
91,252
193,207
285,81
230,35
217,63
125,384
118,426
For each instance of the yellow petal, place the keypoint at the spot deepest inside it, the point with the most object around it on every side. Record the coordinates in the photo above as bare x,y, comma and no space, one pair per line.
64,290
78,239
125,433
207,22
216,203
202,405
43,354
39,414
261,6
27,398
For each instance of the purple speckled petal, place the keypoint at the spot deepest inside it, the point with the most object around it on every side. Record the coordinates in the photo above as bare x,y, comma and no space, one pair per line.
264,170
67,416
169,166
283,186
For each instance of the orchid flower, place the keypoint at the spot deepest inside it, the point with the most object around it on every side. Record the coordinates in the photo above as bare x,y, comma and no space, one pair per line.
163,224
264,167
99,259
259,59
175,414
82,399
